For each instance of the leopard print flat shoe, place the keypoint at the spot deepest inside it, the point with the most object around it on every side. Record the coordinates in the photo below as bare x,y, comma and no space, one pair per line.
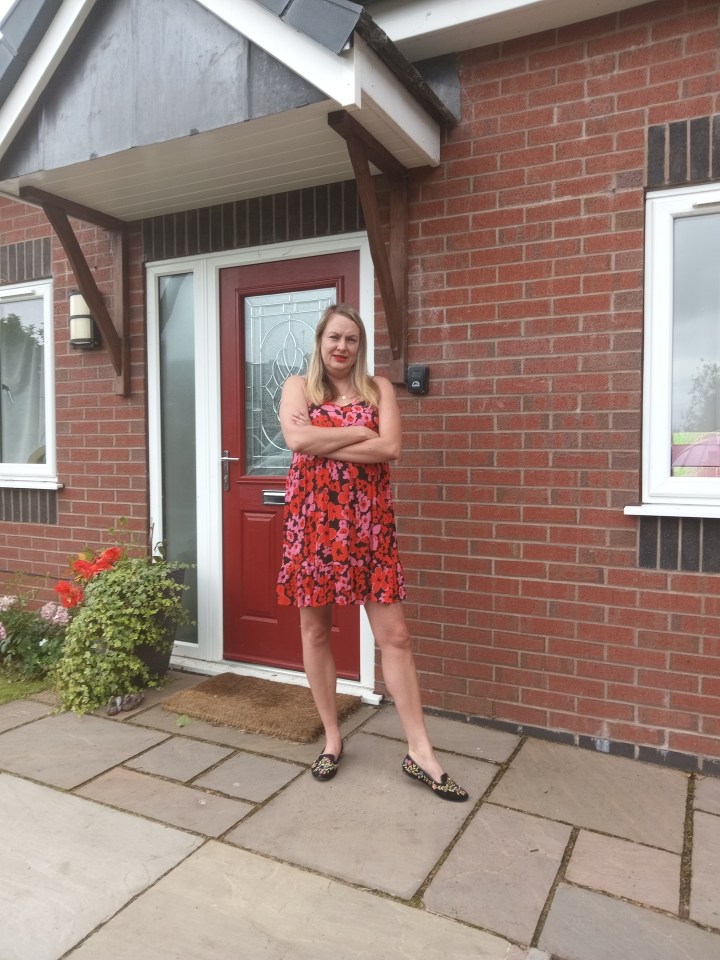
445,788
326,765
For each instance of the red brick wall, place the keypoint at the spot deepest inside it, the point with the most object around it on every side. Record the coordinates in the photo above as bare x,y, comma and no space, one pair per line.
526,269
101,437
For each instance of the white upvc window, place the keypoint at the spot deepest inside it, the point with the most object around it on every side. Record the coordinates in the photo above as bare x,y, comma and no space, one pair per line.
681,385
27,386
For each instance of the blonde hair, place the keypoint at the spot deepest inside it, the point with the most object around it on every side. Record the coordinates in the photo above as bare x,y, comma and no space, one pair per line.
318,387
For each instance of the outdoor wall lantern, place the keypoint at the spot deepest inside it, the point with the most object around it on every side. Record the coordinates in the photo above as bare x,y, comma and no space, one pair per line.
83,332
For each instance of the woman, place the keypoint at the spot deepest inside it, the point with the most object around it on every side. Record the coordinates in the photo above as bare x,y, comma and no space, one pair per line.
343,427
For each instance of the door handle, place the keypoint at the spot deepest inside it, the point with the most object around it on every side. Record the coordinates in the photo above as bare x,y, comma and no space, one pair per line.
226,461
273,498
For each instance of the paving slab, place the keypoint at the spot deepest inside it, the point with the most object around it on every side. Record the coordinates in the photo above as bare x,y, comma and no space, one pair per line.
707,795
584,925
469,739
66,750
18,712
614,795
705,889
68,864
224,903
160,719
249,776
46,696
171,803
626,869
370,825
179,758
500,872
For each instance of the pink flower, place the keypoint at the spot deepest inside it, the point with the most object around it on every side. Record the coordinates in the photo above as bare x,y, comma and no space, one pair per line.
55,613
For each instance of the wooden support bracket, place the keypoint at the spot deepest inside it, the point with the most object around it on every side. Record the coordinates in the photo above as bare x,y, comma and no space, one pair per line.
390,269
113,330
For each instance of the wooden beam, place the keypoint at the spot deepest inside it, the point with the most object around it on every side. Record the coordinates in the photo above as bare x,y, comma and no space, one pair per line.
85,281
115,333
399,271
121,300
39,197
391,271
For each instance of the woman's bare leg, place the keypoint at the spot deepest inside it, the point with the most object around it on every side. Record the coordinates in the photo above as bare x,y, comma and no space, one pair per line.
315,625
387,621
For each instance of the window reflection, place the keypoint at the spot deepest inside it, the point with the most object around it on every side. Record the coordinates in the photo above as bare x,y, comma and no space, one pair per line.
22,381
696,348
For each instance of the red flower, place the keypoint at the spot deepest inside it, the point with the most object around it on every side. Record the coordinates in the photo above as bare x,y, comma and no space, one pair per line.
111,555
70,595
84,568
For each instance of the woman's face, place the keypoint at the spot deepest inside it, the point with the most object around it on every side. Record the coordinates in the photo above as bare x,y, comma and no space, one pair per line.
339,345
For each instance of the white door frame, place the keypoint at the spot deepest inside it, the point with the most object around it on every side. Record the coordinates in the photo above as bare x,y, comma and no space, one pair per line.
207,655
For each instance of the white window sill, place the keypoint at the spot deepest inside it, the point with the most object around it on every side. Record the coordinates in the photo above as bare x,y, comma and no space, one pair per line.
27,483
674,510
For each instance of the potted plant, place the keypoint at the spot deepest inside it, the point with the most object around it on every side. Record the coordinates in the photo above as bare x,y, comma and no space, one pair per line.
125,611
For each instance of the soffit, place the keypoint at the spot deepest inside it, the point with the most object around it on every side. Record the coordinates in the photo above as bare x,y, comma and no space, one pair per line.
252,159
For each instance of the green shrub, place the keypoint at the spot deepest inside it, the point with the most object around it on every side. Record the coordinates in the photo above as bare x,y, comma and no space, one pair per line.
31,640
137,602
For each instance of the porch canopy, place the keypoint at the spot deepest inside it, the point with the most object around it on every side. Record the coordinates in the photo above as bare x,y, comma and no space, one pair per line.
137,109
112,111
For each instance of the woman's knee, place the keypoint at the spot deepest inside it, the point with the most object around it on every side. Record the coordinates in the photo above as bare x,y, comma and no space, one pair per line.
389,627
315,629
394,638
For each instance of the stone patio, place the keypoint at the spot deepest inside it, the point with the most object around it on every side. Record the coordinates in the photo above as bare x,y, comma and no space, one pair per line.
134,836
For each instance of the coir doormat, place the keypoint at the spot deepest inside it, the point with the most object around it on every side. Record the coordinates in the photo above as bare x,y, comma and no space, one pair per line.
281,710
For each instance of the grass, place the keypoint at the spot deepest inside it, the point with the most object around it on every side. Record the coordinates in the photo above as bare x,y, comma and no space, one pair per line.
13,687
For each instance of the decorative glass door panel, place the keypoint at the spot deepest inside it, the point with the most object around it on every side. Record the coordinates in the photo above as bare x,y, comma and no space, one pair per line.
268,316
279,337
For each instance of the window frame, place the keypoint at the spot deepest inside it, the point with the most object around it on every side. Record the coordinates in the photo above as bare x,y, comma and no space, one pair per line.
41,475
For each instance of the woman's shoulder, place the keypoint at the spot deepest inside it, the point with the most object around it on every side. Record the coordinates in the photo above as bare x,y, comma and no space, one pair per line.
385,388
295,384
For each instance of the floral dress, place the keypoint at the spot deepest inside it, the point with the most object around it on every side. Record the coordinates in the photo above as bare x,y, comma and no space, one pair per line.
339,541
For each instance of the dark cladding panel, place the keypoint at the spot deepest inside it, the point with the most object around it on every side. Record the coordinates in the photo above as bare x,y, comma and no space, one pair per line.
182,70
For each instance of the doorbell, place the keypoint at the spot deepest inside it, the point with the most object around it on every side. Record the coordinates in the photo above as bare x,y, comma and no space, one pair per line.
418,379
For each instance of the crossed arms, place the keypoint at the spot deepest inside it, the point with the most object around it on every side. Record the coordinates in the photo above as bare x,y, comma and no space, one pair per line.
351,444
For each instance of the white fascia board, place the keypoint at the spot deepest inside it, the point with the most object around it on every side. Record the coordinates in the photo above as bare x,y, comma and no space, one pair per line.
427,28
41,67
395,105
332,74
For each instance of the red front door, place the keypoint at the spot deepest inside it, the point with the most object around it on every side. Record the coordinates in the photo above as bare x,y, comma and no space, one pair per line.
268,315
